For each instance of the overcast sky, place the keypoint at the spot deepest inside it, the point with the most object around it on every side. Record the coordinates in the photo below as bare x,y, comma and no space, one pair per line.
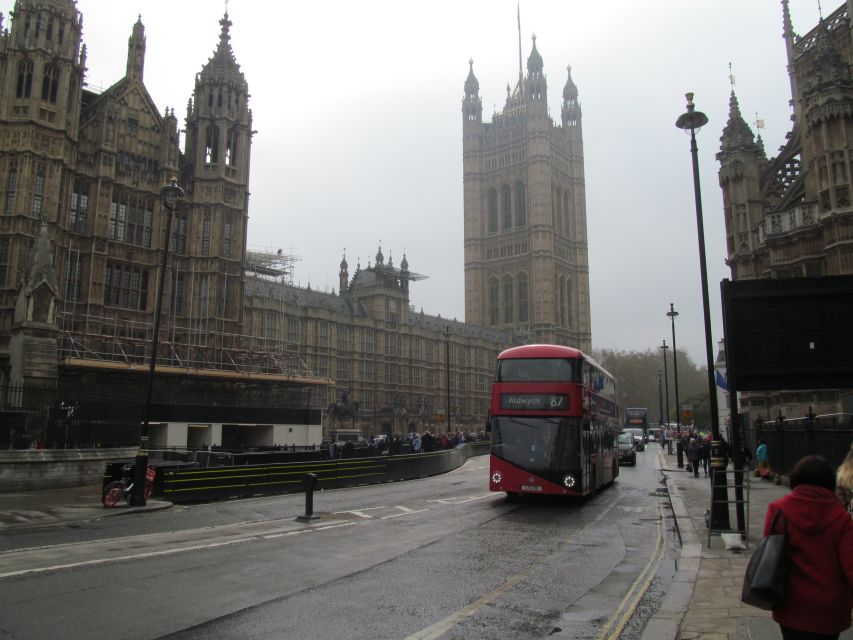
357,107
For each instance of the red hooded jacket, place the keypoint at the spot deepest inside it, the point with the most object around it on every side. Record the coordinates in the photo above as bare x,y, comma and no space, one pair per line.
820,548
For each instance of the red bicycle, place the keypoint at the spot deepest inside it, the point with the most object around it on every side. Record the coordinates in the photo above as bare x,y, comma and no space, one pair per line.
119,490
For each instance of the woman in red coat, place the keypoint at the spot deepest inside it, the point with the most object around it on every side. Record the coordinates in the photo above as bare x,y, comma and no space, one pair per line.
820,547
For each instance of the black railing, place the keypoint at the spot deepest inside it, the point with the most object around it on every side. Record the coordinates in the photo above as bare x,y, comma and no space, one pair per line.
789,440
43,417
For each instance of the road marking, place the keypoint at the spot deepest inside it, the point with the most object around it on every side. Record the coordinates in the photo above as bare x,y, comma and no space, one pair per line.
164,552
462,500
406,511
629,603
359,512
443,626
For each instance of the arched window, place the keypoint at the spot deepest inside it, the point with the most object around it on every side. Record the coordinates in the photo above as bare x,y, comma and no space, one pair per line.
520,205
569,218
558,214
492,204
25,79
231,146
494,301
570,304
11,186
523,303
508,310
561,302
211,145
38,193
506,208
50,83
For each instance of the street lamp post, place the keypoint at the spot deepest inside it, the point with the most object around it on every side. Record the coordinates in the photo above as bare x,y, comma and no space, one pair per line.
678,448
447,372
693,120
171,193
672,313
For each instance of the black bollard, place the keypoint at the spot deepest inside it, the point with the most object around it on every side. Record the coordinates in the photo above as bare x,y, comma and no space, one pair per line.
310,481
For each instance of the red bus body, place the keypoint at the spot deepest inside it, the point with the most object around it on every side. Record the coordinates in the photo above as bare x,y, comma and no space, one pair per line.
554,423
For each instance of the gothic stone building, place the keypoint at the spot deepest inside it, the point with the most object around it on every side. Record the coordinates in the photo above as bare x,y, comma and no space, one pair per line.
82,232
526,264
790,216
388,358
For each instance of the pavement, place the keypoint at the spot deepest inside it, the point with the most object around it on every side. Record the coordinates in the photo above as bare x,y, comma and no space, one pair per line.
703,602
66,506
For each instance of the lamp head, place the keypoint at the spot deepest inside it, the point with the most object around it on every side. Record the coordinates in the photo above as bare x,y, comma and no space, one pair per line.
171,193
692,120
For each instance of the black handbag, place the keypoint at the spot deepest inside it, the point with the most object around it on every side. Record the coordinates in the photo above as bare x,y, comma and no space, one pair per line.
766,580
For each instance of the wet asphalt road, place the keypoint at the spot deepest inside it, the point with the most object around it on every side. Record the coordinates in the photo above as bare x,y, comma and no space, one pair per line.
438,557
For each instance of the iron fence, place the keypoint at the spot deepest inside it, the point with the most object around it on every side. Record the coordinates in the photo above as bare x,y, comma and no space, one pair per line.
34,416
790,439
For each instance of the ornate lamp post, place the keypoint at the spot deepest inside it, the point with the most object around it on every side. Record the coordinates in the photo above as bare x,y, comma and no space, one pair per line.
672,314
692,121
447,372
171,193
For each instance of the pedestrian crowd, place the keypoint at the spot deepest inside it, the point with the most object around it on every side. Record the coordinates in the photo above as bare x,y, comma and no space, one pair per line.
399,444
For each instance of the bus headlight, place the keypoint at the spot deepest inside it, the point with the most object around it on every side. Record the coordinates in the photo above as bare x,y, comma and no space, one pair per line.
497,477
569,480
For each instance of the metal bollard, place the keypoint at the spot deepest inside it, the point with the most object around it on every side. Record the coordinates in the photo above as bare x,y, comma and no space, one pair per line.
310,481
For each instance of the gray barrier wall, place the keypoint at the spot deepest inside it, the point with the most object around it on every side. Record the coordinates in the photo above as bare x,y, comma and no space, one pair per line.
36,469
187,485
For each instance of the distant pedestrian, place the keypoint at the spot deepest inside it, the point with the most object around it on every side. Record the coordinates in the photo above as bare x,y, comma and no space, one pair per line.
763,460
694,454
705,445
819,599
844,482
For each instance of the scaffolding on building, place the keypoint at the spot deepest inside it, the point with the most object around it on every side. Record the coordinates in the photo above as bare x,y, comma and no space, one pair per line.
271,264
109,343
197,345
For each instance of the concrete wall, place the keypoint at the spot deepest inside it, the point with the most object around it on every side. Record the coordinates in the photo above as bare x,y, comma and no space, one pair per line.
31,469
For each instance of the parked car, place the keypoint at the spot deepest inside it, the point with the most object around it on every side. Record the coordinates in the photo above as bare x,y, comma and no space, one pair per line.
627,452
639,438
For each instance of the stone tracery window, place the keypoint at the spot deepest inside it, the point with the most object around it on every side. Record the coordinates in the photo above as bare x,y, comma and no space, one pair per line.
523,302
494,301
492,213
520,205
50,83
11,186
25,79
508,300
506,208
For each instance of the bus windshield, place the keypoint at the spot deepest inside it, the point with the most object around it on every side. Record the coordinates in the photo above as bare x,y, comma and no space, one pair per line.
536,444
537,370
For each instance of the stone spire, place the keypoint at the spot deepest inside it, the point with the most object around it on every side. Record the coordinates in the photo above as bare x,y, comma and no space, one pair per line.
136,52
736,134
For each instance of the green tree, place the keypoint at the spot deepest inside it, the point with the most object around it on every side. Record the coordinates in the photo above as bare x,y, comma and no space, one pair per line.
640,382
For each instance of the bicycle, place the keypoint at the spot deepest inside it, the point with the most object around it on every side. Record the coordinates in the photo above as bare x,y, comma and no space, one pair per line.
118,490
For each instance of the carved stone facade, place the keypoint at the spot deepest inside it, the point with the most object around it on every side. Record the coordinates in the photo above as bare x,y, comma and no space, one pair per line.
389,358
90,166
526,262
791,216
82,232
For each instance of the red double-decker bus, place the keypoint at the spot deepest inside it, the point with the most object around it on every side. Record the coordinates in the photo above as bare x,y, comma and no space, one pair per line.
554,423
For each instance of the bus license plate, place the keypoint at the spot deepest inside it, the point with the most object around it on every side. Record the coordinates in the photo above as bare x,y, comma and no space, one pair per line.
531,487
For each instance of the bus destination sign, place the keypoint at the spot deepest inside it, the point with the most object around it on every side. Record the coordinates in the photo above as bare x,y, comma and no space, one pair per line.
535,401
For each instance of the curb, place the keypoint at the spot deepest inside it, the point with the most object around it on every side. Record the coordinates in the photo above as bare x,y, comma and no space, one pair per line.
666,622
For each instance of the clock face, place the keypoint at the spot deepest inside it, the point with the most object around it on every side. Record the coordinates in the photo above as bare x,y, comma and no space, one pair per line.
392,304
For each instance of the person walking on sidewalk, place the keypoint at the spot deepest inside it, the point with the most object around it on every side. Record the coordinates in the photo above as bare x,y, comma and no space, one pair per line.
694,454
763,460
819,600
